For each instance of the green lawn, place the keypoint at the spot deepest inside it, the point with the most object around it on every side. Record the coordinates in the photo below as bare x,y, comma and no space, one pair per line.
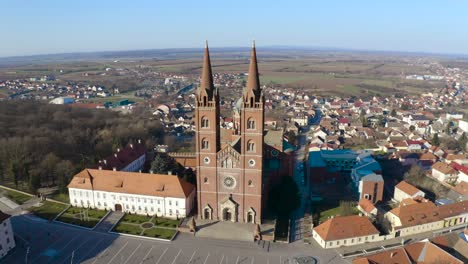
48,210
130,224
70,216
157,221
61,197
325,215
127,229
94,213
67,218
17,197
136,219
160,233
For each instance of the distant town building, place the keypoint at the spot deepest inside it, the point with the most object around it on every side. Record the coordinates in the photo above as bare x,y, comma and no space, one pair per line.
404,190
371,187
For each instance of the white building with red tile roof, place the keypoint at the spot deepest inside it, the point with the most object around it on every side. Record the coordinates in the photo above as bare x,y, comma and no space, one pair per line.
139,193
345,231
404,190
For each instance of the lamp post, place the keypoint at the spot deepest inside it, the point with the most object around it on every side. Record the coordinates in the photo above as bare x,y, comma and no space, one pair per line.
26,257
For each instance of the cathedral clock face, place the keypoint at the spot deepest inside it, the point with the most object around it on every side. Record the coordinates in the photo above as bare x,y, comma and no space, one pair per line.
229,182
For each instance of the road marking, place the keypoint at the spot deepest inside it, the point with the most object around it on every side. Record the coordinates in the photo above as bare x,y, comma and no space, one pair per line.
252,260
147,254
180,250
159,259
221,260
66,245
118,252
206,258
237,260
89,252
66,259
192,257
100,255
132,253
281,260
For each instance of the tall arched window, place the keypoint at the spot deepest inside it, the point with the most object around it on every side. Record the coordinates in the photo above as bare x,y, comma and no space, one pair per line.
250,123
250,146
205,122
205,144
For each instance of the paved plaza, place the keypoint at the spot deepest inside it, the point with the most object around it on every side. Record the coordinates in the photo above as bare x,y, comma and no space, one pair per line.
51,242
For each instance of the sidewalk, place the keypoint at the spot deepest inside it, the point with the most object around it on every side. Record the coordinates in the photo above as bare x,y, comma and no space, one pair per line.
109,221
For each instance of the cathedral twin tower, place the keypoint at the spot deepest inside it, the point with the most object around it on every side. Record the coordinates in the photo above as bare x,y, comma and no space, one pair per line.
229,175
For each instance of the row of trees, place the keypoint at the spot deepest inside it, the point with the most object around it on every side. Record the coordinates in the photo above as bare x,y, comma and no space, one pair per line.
44,145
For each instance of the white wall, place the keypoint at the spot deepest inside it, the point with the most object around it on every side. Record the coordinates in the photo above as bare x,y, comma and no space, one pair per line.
399,195
345,242
171,207
7,240
442,177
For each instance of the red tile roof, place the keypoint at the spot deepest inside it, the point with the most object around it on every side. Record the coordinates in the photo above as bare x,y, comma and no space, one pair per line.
132,182
123,158
407,188
393,256
343,227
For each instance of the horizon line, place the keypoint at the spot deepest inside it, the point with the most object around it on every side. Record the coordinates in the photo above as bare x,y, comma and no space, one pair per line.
329,48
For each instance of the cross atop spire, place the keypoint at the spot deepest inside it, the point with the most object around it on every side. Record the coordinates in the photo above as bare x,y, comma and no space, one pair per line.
206,82
253,82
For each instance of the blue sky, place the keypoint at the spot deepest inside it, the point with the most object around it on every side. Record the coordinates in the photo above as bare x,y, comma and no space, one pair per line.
56,26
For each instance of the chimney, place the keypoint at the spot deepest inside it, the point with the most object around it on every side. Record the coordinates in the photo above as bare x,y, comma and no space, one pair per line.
392,254
114,169
151,171
139,141
100,167
139,171
115,155
169,173
100,161
118,150
131,145
105,162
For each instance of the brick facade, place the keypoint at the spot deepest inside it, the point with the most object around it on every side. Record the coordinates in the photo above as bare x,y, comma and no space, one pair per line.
229,177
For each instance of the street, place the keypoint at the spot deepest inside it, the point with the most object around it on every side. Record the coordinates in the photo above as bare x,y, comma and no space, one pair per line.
301,179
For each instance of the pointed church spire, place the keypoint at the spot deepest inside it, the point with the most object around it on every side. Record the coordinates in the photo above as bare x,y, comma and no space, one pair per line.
253,82
207,76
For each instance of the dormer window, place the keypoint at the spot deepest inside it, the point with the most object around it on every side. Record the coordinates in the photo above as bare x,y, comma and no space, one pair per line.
205,122
250,123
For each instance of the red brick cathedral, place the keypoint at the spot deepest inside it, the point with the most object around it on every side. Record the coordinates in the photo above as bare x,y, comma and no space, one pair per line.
229,174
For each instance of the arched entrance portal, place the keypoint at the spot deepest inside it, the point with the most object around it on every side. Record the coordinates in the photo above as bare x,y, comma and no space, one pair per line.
227,214
228,209
250,218
207,213
118,207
